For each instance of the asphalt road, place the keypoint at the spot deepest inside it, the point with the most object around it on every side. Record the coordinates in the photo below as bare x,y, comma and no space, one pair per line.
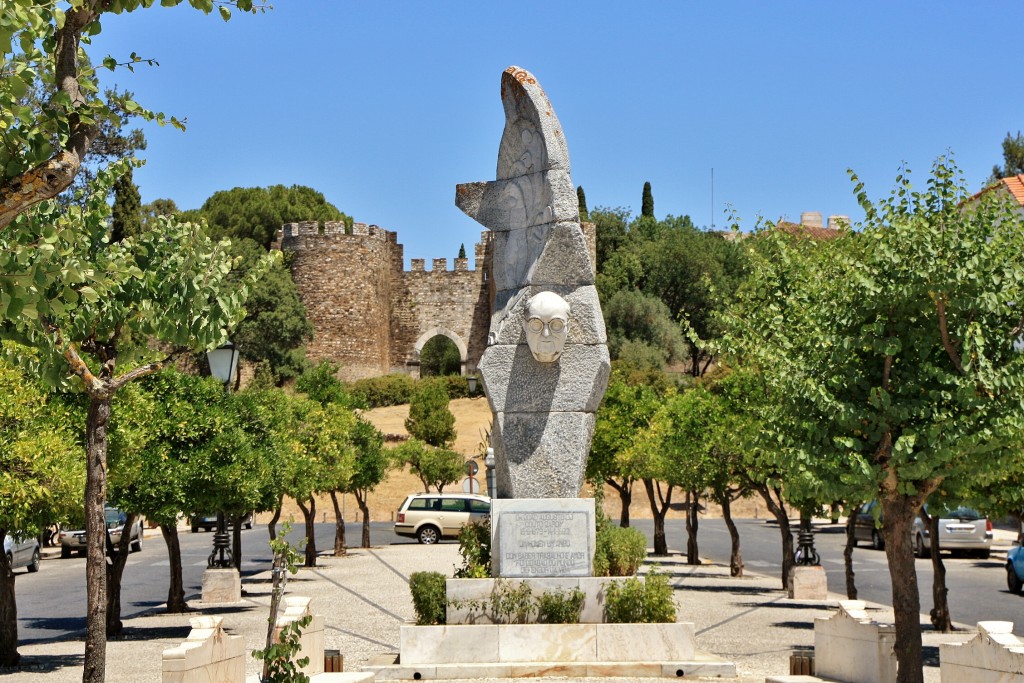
977,588
51,603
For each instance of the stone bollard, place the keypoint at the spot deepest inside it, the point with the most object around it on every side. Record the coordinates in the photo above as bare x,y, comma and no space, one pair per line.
995,654
850,646
208,654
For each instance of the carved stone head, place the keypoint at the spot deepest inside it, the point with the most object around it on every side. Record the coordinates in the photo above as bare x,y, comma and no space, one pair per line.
546,325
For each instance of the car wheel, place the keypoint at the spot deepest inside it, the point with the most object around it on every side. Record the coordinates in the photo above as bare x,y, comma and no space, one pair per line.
33,566
136,544
919,549
65,552
10,561
428,535
1013,581
984,554
876,540
248,525
195,528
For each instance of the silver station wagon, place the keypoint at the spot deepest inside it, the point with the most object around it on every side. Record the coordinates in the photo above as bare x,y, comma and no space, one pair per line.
429,517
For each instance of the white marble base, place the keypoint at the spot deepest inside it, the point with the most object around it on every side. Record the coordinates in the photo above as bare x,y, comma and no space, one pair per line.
808,583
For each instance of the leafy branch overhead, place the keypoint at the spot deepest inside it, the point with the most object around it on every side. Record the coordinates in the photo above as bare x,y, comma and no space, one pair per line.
43,148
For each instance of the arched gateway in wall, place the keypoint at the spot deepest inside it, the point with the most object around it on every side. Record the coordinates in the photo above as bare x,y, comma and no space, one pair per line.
370,315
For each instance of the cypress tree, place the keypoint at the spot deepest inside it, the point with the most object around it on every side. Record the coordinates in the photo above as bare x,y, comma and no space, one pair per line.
581,197
462,250
647,203
126,214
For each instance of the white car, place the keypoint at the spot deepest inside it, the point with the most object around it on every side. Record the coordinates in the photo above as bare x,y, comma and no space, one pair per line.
22,553
429,517
71,541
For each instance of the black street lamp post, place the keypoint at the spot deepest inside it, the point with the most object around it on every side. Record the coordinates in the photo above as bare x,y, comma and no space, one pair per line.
223,363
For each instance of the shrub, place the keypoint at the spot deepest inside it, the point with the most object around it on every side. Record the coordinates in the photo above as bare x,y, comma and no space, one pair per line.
389,390
475,548
512,604
560,607
618,551
428,597
640,602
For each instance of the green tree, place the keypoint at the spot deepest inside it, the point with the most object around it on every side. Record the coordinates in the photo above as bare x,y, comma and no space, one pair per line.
892,353
155,208
126,215
435,467
625,410
462,251
44,148
257,213
612,227
647,201
429,419
371,468
440,356
321,384
41,479
581,199
1013,158
275,328
95,305
644,320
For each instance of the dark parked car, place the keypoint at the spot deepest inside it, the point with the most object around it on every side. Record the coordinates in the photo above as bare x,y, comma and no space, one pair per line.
961,530
209,522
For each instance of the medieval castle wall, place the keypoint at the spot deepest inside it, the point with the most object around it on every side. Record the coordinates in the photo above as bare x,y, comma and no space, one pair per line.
369,314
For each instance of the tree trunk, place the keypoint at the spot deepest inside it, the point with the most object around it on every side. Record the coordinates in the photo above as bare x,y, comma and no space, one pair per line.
95,662
236,541
851,543
361,500
339,527
272,524
118,558
692,505
735,555
8,613
625,491
659,508
940,615
176,588
309,517
778,510
897,517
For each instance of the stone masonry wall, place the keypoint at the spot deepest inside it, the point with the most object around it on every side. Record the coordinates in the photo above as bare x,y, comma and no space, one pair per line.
370,315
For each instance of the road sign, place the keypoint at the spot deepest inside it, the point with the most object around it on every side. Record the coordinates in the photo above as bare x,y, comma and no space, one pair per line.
472,468
470,485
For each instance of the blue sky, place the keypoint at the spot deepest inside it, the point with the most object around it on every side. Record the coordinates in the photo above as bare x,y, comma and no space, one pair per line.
385,106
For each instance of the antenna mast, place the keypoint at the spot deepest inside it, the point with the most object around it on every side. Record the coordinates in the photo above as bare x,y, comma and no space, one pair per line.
712,197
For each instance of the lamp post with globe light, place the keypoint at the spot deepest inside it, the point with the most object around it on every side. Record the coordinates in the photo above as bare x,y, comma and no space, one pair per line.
223,362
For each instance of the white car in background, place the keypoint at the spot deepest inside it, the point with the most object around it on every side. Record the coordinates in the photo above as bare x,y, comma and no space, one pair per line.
22,553
72,541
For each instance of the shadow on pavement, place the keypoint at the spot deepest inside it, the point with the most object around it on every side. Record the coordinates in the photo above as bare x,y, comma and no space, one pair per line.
47,664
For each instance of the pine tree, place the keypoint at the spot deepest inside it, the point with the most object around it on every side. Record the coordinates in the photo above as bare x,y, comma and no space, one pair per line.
582,198
647,203
126,214
1013,158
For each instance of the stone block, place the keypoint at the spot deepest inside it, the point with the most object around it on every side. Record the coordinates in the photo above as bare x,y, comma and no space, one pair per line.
311,642
547,643
646,642
441,644
543,537
538,455
208,654
808,583
222,586
565,259
575,382
468,598
523,201
995,655
850,646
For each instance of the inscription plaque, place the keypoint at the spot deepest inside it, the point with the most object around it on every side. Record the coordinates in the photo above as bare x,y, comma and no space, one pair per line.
543,537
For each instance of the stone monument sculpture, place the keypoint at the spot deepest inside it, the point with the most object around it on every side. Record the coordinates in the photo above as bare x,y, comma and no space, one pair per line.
546,365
